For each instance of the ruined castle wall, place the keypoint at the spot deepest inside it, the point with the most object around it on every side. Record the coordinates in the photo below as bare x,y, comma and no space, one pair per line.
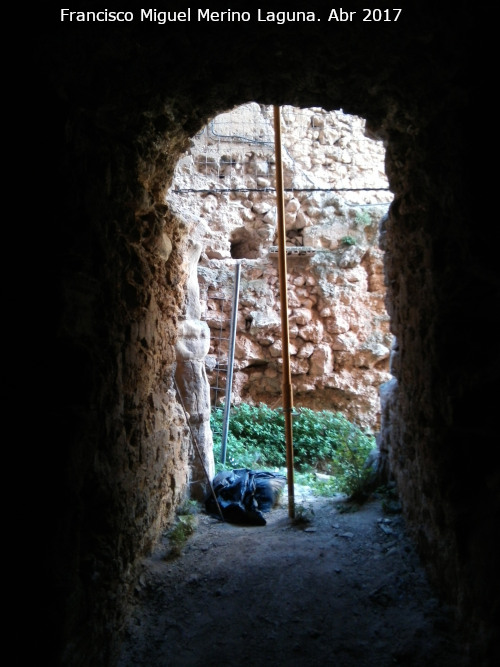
336,192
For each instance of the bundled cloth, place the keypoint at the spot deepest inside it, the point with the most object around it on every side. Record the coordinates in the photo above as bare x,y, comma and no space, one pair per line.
244,495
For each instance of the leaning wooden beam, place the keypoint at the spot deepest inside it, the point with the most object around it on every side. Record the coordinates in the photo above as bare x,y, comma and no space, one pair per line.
285,336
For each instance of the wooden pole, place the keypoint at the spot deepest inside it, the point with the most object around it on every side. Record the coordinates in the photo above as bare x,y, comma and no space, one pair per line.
285,336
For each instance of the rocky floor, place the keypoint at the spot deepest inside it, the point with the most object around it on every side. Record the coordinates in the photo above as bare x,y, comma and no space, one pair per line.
336,585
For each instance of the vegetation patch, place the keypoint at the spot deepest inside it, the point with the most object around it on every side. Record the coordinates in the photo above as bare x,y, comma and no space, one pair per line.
323,442
184,526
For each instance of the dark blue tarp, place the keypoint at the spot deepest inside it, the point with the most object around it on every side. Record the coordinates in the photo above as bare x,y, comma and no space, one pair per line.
244,495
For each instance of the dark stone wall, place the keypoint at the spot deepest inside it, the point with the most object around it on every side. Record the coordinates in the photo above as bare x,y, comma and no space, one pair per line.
115,106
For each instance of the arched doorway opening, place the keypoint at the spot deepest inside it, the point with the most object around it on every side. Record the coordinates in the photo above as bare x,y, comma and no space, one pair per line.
336,192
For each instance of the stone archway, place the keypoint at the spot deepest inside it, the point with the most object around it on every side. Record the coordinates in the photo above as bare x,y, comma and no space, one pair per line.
336,193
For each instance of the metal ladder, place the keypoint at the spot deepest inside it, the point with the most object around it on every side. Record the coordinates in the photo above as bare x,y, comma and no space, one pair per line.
225,360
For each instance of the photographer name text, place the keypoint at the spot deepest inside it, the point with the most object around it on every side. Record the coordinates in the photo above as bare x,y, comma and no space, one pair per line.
207,15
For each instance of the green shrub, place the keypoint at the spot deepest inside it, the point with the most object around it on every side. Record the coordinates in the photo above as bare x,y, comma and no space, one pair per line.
363,219
323,441
179,534
255,438
315,439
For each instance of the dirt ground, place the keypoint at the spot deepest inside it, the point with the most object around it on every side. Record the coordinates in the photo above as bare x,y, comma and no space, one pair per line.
337,585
